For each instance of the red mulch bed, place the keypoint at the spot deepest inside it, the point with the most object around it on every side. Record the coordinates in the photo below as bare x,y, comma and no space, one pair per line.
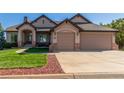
53,67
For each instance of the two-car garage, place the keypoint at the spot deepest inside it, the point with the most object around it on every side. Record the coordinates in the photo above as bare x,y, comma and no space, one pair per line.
70,37
88,41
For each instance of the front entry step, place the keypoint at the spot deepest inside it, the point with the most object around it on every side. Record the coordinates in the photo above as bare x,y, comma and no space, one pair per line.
27,45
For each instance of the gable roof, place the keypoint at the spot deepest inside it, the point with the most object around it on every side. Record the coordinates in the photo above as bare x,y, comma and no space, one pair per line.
44,17
67,20
24,24
82,26
84,20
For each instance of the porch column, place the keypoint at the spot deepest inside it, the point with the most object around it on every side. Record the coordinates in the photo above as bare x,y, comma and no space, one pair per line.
19,38
33,38
77,41
53,45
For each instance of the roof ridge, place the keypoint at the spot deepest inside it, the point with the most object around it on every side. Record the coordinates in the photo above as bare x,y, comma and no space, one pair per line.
78,14
43,15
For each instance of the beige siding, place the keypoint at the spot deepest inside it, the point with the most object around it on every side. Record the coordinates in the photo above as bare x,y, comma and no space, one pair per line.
96,40
65,40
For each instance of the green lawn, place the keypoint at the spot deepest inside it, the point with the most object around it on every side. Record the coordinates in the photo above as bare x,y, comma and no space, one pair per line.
37,50
10,59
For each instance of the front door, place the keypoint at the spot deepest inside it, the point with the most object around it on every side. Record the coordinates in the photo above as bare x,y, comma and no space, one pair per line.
28,38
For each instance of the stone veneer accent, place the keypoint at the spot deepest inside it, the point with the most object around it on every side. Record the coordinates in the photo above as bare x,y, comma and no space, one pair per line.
114,46
77,46
53,47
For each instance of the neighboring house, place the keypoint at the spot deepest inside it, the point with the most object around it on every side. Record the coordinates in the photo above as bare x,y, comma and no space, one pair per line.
76,33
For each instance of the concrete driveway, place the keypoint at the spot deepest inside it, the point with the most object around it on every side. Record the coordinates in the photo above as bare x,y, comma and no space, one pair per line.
104,61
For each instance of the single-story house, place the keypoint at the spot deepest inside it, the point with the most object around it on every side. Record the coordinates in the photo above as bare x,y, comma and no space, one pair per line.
76,33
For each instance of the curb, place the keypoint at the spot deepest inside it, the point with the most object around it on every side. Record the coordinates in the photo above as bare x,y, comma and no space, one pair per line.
39,76
86,75
99,75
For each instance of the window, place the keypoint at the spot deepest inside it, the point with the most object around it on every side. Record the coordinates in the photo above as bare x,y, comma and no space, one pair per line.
43,21
13,37
43,38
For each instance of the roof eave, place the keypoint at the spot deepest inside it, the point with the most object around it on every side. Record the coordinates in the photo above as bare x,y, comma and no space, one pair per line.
99,31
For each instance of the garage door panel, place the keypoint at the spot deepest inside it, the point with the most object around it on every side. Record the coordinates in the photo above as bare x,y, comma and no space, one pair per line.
95,41
65,40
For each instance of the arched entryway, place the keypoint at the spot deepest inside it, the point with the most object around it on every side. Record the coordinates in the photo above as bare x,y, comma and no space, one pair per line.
26,35
27,38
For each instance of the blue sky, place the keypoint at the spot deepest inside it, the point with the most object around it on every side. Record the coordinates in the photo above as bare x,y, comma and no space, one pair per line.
9,19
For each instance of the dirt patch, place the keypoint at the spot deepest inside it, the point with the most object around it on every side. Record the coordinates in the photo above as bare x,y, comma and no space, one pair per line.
53,67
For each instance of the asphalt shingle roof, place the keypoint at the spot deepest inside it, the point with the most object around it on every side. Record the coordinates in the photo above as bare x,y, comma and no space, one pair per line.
94,27
12,28
85,26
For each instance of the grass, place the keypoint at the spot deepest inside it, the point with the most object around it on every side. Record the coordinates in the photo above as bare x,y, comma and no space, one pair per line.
10,59
37,50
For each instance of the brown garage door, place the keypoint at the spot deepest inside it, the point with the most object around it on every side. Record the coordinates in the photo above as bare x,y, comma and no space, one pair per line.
95,41
65,40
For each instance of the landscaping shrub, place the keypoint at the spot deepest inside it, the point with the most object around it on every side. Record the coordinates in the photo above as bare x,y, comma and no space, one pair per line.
7,45
14,45
42,44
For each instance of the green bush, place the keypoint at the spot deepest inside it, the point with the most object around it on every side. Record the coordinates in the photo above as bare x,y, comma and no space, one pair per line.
120,39
14,45
7,45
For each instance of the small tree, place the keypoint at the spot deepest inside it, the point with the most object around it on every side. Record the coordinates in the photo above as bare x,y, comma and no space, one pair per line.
2,39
